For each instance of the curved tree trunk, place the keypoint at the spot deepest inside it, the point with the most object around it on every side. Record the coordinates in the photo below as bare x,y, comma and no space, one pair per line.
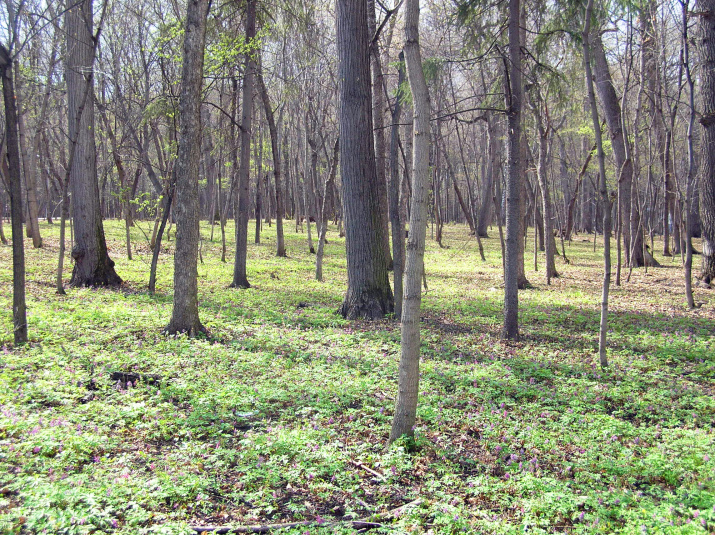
185,314
92,267
369,294
273,132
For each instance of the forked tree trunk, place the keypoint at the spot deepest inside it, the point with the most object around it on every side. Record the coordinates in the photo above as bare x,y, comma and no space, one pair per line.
324,213
368,295
92,267
19,314
605,201
706,47
280,240
240,276
185,313
403,423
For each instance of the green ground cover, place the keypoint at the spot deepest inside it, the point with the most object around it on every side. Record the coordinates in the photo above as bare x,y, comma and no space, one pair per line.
282,414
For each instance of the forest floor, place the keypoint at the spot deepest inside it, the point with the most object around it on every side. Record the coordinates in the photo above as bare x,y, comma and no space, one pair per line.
283,413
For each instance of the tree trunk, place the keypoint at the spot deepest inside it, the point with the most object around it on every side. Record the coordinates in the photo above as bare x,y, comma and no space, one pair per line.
240,276
604,190
403,423
273,132
378,110
33,228
92,267
368,295
396,220
514,182
185,314
324,213
19,314
624,166
706,46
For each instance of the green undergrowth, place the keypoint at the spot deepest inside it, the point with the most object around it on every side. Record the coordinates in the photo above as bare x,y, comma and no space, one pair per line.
282,413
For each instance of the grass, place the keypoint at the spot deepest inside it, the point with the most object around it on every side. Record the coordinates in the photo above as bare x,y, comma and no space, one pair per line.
275,417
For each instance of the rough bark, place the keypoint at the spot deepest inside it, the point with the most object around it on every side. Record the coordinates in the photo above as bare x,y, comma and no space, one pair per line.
13,173
368,295
706,47
406,404
240,276
514,181
92,267
185,313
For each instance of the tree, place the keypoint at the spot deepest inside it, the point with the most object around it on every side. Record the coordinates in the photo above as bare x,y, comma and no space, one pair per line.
706,48
185,314
406,405
240,277
605,201
92,267
19,314
514,176
369,294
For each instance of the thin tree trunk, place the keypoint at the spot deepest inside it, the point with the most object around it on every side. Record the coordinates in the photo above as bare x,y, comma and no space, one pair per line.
13,172
688,264
396,220
403,423
603,187
324,214
240,276
273,132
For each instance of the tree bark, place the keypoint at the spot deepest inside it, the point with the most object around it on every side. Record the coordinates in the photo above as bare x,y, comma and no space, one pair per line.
324,213
515,179
273,132
396,219
240,276
185,313
706,46
603,190
92,267
403,423
19,310
369,294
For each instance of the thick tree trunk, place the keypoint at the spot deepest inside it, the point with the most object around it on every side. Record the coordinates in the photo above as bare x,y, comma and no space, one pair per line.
706,47
514,182
487,205
92,267
185,313
369,295
13,173
403,423
240,276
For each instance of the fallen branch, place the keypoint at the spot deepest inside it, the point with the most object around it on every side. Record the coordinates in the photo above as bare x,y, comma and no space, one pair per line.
373,521
368,469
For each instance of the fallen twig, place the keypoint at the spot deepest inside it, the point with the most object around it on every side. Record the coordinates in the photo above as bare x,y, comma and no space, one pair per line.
373,521
368,469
